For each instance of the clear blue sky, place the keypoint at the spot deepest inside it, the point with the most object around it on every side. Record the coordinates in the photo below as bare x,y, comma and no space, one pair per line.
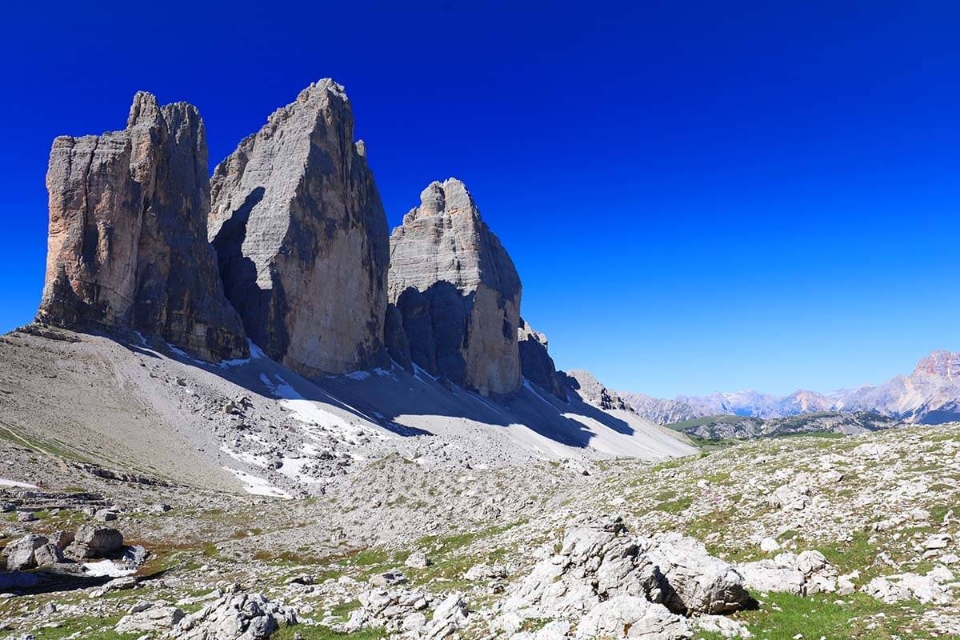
698,196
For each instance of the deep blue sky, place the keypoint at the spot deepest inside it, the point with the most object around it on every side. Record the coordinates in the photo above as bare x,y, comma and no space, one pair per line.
698,196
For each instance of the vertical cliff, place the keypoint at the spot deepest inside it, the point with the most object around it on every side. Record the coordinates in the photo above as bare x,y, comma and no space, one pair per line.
127,245
457,291
302,237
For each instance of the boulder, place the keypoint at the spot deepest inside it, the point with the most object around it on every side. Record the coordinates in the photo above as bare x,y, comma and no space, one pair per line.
767,575
391,610
47,555
21,553
388,578
695,581
935,587
632,617
94,541
302,238
449,616
150,619
62,539
599,562
457,291
127,246
238,616
418,560
805,574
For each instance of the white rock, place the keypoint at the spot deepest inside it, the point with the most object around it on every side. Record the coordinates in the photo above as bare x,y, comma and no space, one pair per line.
768,545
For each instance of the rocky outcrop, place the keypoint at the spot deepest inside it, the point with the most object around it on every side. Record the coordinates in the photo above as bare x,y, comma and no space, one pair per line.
613,584
127,245
535,362
235,616
457,291
592,391
31,551
302,237
92,541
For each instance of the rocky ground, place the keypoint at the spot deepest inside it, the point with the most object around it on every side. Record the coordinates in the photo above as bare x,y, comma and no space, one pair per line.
832,538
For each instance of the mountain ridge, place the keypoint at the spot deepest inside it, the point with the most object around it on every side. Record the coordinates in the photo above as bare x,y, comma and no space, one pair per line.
930,394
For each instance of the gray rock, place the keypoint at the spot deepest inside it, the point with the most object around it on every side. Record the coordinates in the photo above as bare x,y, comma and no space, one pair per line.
395,338
21,553
62,539
632,617
153,619
134,556
457,291
418,560
239,616
388,578
766,575
592,391
47,555
536,364
805,574
94,541
127,245
302,237
935,587
105,515
696,582
449,616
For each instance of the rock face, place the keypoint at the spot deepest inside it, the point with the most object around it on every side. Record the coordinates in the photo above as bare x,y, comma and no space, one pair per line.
592,391
127,245
457,292
535,363
302,237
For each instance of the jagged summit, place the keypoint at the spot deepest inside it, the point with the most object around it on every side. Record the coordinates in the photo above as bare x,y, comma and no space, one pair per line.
466,254
457,292
127,239
302,237
930,395
940,363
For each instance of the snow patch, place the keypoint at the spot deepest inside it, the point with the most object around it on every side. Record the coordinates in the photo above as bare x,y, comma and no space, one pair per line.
255,354
258,486
186,356
14,483
418,372
106,568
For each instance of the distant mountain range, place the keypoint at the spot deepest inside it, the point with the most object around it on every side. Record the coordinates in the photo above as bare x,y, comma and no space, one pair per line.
929,395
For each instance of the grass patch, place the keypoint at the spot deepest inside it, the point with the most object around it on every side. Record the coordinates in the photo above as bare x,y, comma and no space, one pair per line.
857,554
86,627
675,506
782,616
324,633
699,422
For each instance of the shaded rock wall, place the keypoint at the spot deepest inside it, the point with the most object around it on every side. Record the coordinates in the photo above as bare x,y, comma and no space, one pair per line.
302,237
127,245
457,291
